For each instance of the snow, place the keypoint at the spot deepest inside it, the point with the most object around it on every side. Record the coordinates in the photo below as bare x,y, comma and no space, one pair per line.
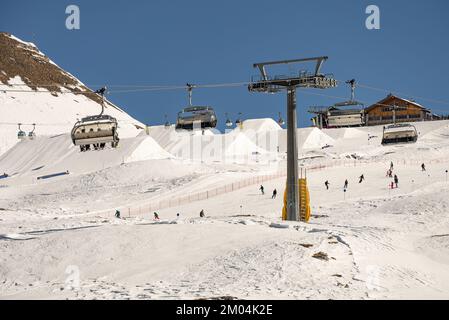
317,139
260,125
380,243
52,114
148,149
23,42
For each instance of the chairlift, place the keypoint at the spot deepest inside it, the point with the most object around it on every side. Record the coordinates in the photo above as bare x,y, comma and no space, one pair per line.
229,123
239,121
167,123
203,115
281,121
32,134
97,130
399,133
21,134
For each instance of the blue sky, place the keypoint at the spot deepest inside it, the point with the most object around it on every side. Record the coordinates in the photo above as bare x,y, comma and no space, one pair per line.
173,42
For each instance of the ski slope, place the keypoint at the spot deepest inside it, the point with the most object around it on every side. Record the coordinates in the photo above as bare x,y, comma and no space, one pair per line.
374,242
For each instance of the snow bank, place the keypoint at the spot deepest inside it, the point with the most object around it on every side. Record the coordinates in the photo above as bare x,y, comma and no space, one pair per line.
240,144
260,125
51,154
317,139
148,149
352,133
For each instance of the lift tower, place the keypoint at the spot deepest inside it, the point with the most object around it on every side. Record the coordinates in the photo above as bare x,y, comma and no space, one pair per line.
301,79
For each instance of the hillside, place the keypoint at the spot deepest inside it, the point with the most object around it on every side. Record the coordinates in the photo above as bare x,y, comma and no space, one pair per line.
33,89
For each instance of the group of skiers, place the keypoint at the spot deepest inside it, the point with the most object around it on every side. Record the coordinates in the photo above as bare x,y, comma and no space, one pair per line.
156,215
274,194
394,184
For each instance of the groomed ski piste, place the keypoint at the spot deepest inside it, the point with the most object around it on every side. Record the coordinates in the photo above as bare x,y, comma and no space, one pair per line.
60,238
374,242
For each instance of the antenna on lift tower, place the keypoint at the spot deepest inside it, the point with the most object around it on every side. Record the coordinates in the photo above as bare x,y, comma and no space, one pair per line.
275,84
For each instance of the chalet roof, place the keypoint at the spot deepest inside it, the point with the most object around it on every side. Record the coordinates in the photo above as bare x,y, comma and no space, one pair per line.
390,97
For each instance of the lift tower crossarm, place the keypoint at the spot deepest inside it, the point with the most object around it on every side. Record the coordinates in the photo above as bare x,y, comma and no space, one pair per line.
261,65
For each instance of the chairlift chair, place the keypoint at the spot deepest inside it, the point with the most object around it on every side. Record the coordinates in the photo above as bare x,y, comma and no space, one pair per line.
188,117
21,134
239,121
229,123
281,121
97,130
167,123
399,133
32,134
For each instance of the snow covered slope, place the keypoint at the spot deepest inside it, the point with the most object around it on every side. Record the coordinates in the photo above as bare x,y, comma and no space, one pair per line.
53,154
35,90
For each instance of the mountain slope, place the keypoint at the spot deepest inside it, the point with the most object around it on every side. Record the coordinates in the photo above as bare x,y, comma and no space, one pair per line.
33,89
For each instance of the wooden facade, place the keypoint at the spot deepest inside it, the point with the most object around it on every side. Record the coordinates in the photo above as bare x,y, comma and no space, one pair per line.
393,109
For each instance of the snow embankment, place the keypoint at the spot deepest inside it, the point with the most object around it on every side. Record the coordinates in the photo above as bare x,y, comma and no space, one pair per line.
52,154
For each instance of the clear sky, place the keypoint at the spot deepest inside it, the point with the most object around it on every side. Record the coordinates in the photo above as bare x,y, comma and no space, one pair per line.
168,42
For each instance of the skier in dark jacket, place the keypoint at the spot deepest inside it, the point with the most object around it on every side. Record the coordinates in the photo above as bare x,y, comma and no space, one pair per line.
423,167
275,193
327,185
202,214
346,184
361,178
156,216
117,214
396,180
262,189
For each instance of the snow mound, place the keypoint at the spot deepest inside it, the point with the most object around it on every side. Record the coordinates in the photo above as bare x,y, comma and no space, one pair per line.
148,149
240,144
259,125
52,154
317,139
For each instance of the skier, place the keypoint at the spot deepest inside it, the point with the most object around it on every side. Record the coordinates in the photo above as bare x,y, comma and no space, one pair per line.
396,180
262,189
423,167
275,193
388,173
391,166
327,185
346,184
156,216
361,178
117,214
202,214
178,215
101,91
